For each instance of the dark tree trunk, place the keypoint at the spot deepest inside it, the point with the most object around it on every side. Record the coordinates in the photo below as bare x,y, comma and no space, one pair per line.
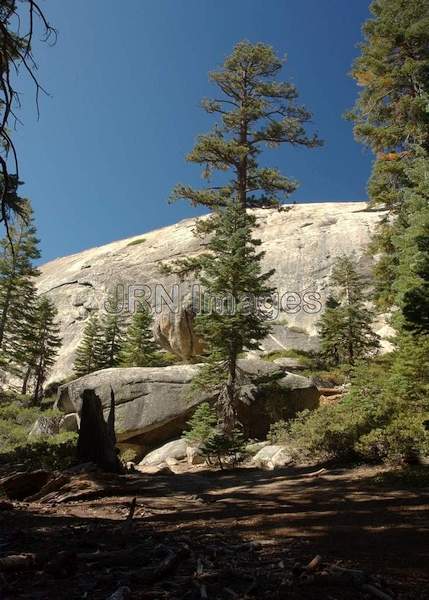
26,380
96,441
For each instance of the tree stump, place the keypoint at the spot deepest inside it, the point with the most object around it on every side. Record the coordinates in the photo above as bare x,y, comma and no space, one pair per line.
97,438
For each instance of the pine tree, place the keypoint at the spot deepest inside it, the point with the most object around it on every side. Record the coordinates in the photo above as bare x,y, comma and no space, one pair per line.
411,285
89,352
255,110
202,424
139,348
112,328
345,327
17,289
391,117
232,319
42,345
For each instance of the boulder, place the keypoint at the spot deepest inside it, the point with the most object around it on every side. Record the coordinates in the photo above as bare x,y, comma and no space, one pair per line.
291,364
45,426
271,457
152,403
254,447
70,423
174,332
172,450
195,456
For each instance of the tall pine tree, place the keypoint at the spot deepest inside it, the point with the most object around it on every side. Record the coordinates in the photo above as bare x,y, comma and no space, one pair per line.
254,110
17,289
391,117
42,345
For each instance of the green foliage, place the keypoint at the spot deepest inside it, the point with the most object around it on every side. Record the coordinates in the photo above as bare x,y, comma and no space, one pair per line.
382,418
52,453
17,289
202,424
136,242
391,117
223,449
40,347
112,340
128,455
89,356
345,327
139,348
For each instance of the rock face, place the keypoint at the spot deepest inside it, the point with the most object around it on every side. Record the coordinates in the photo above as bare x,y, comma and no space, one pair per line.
301,244
153,404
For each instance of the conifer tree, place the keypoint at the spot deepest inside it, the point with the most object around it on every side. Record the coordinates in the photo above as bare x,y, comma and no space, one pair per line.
345,327
89,352
17,289
112,329
411,285
255,110
391,117
42,345
139,348
232,320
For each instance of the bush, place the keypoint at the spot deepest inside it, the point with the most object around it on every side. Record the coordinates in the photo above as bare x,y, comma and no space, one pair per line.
51,453
378,420
136,242
402,440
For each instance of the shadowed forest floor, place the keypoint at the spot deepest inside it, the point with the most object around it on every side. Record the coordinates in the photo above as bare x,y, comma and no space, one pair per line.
234,534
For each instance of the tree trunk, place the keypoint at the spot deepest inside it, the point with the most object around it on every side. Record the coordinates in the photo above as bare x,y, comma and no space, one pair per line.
96,442
25,380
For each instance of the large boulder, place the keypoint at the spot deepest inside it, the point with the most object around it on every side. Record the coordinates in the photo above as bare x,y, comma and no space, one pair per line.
174,331
172,450
153,404
272,457
301,244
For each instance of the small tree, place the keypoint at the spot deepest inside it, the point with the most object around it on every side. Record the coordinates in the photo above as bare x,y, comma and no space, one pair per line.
345,327
139,348
42,345
88,354
202,424
221,446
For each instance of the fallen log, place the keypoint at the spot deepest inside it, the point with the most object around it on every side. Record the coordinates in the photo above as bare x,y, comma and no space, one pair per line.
16,562
19,486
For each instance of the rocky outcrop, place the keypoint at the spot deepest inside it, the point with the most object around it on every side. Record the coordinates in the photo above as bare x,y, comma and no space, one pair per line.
300,244
153,404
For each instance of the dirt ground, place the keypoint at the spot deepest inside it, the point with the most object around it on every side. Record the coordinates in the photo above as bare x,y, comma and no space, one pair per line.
235,534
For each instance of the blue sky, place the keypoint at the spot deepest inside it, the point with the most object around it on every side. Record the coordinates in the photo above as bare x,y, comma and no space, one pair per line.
126,80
